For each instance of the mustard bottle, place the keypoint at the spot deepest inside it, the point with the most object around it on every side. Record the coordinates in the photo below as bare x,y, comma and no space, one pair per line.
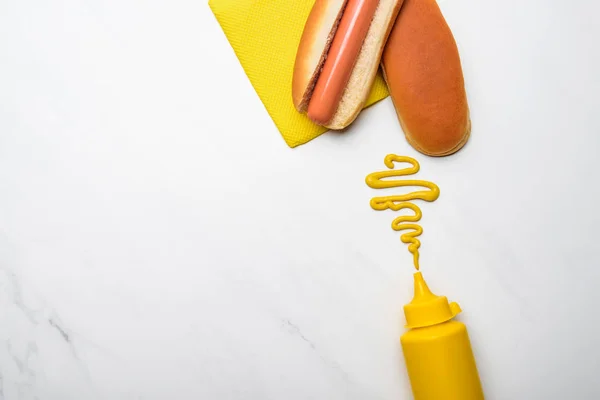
437,349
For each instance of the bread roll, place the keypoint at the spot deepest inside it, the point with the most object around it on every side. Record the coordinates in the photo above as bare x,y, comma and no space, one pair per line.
423,72
319,32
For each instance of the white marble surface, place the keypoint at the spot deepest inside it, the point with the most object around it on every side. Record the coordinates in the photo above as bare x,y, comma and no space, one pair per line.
158,240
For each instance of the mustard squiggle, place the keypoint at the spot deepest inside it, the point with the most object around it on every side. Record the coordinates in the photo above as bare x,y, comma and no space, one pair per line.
378,180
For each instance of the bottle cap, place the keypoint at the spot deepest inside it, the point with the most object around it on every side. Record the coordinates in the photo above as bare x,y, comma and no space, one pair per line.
426,308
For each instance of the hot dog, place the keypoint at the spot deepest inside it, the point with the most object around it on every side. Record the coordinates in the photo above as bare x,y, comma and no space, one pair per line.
422,68
338,57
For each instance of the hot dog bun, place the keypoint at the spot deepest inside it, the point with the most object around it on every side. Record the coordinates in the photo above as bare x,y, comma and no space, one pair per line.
318,35
423,72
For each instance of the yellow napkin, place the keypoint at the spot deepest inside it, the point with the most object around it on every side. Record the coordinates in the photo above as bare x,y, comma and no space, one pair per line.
265,35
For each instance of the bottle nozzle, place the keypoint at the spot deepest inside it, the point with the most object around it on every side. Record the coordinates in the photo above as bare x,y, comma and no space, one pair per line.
422,292
426,308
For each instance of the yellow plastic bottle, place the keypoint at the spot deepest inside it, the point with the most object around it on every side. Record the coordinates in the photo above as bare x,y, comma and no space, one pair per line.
437,350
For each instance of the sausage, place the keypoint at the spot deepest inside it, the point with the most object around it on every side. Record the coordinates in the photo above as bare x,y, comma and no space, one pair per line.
342,55
338,57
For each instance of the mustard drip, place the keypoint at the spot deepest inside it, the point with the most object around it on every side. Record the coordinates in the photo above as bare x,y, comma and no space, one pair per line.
378,180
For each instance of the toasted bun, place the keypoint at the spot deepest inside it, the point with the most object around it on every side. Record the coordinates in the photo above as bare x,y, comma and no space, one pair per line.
312,52
423,71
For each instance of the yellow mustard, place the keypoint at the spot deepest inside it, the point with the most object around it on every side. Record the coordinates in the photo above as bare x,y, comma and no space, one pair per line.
437,350
378,180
